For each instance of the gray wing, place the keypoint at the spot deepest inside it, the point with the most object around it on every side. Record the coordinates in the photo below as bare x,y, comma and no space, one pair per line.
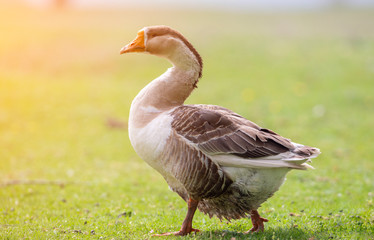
217,130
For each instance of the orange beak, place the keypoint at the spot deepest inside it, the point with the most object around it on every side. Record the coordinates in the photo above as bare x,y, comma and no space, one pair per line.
137,45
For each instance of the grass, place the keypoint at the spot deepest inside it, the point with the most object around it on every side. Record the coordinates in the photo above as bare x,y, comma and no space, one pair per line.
67,168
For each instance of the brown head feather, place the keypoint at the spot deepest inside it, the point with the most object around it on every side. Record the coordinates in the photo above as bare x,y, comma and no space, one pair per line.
165,30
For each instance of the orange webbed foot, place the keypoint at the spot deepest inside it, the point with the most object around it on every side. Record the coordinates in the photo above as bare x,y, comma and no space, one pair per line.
257,221
179,233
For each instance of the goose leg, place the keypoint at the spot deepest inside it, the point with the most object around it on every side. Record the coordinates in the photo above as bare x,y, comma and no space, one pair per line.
187,223
257,221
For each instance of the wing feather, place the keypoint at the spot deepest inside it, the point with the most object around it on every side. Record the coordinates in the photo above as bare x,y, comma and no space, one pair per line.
218,131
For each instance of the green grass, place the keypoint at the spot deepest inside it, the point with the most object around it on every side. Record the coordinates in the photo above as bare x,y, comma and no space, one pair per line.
66,174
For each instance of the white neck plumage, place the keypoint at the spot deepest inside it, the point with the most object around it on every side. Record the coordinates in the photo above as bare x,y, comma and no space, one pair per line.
170,89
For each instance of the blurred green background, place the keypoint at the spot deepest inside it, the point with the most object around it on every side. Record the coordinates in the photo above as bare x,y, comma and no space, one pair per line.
67,168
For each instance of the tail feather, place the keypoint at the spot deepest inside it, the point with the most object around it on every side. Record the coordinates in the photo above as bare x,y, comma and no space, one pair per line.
306,151
297,158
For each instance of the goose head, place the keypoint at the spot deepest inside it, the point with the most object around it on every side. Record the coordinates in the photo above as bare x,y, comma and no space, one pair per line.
166,42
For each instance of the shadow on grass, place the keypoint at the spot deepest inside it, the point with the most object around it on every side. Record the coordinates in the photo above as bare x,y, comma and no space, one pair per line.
278,233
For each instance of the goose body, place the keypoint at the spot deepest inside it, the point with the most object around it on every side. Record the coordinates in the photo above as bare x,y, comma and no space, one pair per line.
215,159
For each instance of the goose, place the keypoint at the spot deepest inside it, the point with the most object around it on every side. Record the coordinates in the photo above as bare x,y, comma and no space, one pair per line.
214,159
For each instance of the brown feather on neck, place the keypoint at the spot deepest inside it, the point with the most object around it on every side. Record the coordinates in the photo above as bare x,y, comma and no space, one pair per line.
164,30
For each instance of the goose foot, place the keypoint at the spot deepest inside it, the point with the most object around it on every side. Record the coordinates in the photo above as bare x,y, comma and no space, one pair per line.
257,221
187,223
179,233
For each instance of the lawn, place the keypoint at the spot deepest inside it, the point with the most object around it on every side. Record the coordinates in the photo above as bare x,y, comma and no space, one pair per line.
67,168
